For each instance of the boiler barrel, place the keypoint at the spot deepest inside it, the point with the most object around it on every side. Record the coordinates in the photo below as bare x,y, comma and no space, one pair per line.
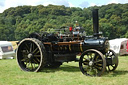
98,44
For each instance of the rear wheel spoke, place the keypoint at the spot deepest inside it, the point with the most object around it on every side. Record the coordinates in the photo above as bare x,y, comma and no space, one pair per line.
35,50
98,61
99,65
36,55
27,47
98,68
24,59
35,61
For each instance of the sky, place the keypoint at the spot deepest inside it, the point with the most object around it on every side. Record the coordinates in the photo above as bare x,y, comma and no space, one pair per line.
5,4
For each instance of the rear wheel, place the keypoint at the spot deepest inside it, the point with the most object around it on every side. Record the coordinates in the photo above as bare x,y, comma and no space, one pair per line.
92,63
31,55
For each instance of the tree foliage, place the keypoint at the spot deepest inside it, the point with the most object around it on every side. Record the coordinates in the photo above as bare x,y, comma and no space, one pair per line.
18,22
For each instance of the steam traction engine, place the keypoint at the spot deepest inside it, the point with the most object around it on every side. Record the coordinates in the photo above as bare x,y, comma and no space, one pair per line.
49,50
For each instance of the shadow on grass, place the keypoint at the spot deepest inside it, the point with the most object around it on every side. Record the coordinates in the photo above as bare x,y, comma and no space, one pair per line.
69,68
115,73
66,68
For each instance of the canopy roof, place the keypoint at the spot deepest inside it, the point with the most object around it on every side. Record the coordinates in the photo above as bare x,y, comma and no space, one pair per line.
115,44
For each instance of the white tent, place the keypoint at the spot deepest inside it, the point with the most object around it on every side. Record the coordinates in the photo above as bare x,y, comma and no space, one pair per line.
6,50
115,44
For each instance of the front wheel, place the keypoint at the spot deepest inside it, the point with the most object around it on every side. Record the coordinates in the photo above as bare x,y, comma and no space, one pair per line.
92,63
112,60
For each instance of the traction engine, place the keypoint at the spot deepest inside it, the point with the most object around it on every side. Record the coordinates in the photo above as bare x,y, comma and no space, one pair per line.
38,51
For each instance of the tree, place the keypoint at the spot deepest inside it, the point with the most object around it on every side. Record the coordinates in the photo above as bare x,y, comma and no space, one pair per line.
18,22
4,31
48,26
126,35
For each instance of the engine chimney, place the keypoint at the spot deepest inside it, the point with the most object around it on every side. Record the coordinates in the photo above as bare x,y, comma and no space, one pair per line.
95,22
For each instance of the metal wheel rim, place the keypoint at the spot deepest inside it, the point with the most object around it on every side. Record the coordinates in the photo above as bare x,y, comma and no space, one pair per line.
96,68
35,35
29,55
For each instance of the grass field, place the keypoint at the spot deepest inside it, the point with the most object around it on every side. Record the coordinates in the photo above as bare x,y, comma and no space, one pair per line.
67,74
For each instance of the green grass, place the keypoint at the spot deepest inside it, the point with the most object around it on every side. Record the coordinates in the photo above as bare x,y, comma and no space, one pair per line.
67,74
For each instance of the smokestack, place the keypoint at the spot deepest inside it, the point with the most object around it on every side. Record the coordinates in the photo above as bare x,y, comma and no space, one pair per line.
95,22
